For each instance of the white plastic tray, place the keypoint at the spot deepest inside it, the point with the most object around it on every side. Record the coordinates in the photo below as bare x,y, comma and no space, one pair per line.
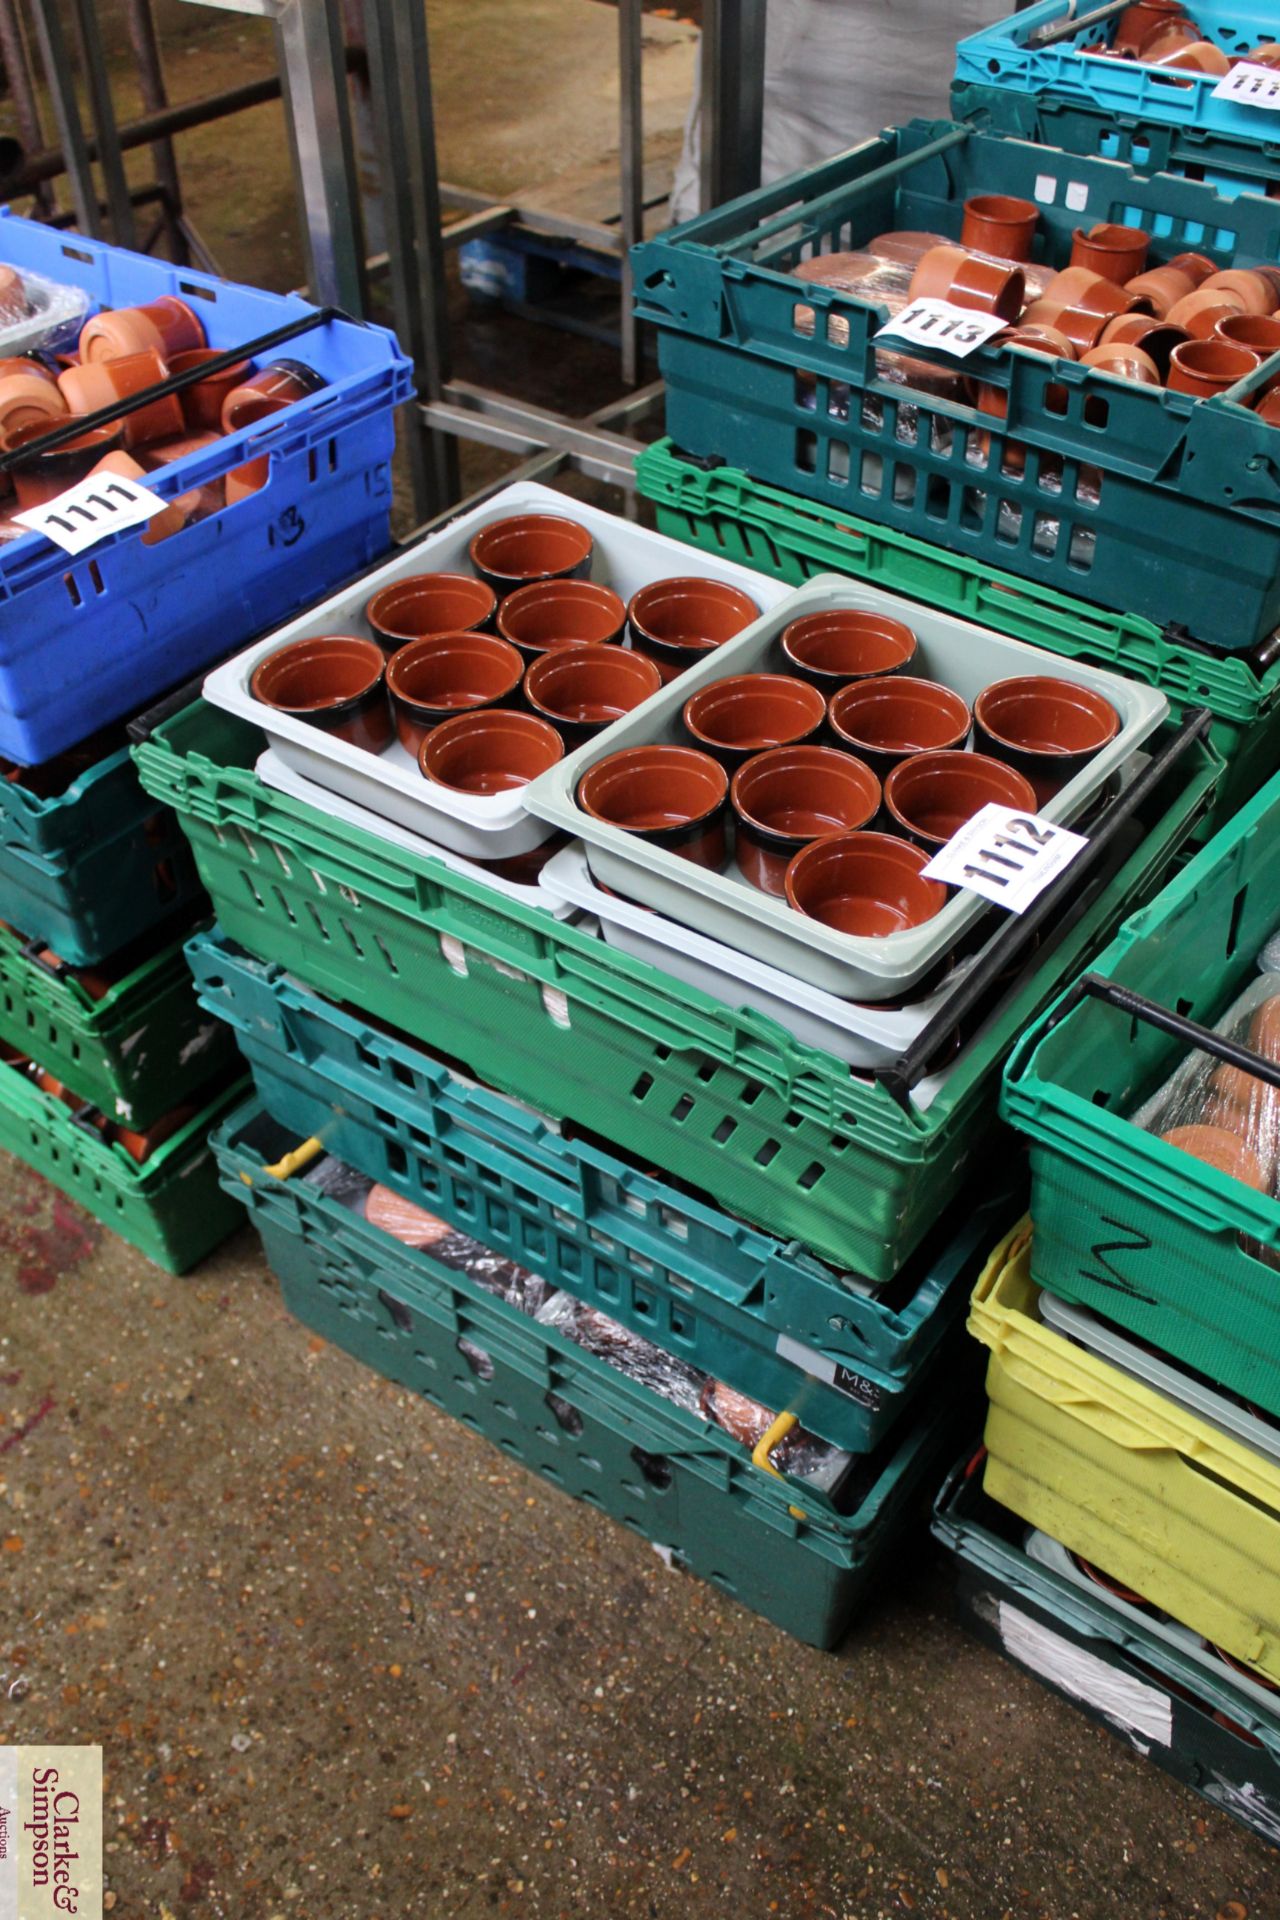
277,773
482,826
724,905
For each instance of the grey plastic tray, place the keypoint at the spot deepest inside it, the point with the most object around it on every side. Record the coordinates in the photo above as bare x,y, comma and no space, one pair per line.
726,907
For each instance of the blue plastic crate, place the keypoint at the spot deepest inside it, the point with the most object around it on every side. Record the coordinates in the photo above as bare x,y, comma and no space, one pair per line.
84,641
755,1311
1122,110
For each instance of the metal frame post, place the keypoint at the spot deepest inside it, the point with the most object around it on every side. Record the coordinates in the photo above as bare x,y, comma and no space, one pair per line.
631,171
56,59
314,78
110,158
732,98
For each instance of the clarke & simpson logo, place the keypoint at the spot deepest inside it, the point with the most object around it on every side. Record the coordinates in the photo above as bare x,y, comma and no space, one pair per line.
50,1833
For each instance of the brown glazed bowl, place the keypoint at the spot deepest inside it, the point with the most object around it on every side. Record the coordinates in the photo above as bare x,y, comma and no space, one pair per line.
1202,311
97,384
561,613
1138,22
448,673
1259,332
530,546
674,622
791,795
41,477
492,751
1196,56
1206,367
26,400
830,649
1123,363
269,391
334,682
201,402
582,689
1156,338
1080,289
986,286
749,712
999,224
165,326
423,604
673,797
931,796
1046,729
1119,254
1080,328
865,884
1162,287
883,721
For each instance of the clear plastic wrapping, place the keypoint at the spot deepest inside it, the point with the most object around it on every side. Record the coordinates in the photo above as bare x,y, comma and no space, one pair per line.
628,1352
48,320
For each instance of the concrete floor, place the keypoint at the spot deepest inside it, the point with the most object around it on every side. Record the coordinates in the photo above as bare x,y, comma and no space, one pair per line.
348,1663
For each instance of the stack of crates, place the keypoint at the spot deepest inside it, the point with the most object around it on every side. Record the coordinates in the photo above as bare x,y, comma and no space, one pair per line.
112,1076
1134,1378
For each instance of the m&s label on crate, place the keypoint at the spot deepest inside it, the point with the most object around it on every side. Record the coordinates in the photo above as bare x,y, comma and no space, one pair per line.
1250,86
1006,856
936,323
100,504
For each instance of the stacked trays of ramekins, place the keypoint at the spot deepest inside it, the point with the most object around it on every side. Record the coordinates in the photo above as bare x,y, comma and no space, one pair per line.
274,473
1130,1502
671,1189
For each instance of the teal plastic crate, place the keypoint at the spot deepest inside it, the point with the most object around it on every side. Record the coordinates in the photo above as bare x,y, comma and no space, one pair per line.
771,1544
737,1304
1155,1240
1158,1687
725,1099
724,511
1130,496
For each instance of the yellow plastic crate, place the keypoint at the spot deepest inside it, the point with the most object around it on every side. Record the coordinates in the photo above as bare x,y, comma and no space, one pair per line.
1142,1487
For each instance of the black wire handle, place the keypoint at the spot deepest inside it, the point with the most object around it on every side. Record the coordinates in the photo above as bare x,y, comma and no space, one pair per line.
1010,939
176,383
1202,1039
1067,29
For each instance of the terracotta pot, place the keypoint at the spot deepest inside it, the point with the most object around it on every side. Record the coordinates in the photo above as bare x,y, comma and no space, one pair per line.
1219,1147
269,391
141,1146
885,720
905,246
101,383
750,712
28,364
1267,54
1201,311
250,478
1113,1587
1046,729
1258,294
1081,289
165,326
672,796
1166,39
448,673
986,286
1156,338
422,604
334,682
1038,337
675,621
1196,266
930,796
830,649
1162,288
1123,363
1194,56
581,690
999,224
865,884
43,476
1206,367
203,401
489,752
791,795
163,525
530,546
1119,254
1259,332
1268,408
561,613
1139,21
1081,329
1264,1029
27,400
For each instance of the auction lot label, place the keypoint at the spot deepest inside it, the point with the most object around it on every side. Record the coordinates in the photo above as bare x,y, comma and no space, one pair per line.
50,1833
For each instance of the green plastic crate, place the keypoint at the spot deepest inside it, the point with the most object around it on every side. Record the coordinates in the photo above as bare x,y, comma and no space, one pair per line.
172,1208
739,1305
724,511
1158,1688
1131,496
1137,1229
725,1100
136,1053
772,1544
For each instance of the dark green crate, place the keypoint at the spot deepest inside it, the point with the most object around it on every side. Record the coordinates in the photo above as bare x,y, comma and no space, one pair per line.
725,512
92,869
1134,497
737,1304
136,1053
683,1483
1196,1722
172,1208
726,1100
1137,1229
